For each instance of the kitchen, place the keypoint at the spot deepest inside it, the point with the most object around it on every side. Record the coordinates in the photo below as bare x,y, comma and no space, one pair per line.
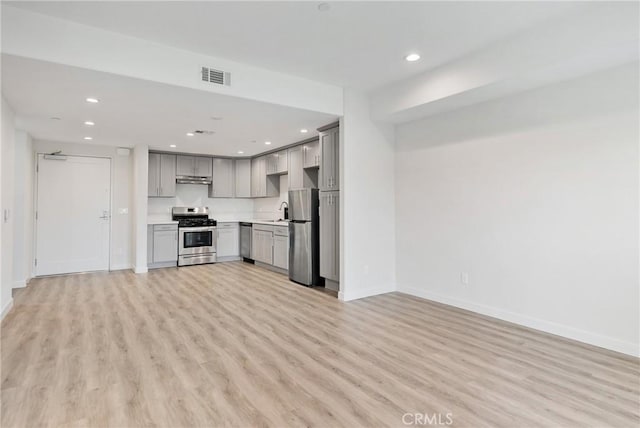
278,209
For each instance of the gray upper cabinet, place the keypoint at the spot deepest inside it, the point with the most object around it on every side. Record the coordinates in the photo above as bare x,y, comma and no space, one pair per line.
243,178
329,159
185,166
296,178
330,235
203,166
311,152
257,170
154,174
198,166
277,163
162,175
222,181
261,184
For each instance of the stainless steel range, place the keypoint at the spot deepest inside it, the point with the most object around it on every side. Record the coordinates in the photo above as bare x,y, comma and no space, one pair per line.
196,235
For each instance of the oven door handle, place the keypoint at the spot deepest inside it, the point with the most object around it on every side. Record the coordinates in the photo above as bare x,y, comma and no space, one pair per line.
198,229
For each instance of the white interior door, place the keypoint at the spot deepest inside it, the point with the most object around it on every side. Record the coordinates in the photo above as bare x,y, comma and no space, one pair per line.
73,214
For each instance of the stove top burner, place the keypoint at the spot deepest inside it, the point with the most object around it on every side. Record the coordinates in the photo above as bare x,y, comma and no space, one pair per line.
195,222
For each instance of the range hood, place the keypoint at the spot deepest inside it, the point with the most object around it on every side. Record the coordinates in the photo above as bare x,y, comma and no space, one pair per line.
191,179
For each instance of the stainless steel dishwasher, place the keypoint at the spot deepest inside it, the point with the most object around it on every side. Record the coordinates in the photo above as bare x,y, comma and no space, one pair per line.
246,230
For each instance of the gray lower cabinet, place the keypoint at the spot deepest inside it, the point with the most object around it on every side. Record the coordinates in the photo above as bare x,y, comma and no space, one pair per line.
329,160
281,247
330,235
243,178
222,179
311,153
228,240
296,168
262,244
162,245
162,175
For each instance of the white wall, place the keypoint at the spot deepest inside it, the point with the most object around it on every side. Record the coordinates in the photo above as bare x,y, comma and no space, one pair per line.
366,202
140,206
24,171
535,196
7,202
121,195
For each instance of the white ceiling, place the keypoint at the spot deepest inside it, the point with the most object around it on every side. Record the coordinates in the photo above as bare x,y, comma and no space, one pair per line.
133,111
358,44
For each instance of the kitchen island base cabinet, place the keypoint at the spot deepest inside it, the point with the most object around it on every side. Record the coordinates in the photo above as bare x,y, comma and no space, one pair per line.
162,245
330,236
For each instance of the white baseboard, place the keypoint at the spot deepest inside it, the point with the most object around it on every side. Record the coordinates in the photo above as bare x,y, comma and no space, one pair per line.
20,283
527,321
228,259
141,269
121,267
6,308
348,295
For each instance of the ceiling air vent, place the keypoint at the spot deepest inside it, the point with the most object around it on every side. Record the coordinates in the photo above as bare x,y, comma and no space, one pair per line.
218,77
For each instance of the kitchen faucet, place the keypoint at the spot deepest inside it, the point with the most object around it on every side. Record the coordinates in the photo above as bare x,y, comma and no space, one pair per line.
286,209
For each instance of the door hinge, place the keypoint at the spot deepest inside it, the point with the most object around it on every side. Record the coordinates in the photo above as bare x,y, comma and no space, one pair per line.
35,262
36,215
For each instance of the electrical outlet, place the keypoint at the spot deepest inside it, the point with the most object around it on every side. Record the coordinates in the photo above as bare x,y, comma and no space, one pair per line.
464,278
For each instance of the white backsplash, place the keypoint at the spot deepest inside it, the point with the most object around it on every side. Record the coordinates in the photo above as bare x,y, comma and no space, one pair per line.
196,195
267,208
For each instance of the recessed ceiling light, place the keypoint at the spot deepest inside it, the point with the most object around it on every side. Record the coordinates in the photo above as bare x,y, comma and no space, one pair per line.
323,7
304,131
88,138
173,146
92,100
189,134
89,123
240,152
412,57
267,142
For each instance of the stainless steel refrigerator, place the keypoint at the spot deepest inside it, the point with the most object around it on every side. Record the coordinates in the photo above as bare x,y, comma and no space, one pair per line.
304,260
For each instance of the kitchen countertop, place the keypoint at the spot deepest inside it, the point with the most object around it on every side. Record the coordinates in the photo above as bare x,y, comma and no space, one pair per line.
257,221
160,219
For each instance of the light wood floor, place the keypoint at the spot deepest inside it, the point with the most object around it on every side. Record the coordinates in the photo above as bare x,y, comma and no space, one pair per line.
235,345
